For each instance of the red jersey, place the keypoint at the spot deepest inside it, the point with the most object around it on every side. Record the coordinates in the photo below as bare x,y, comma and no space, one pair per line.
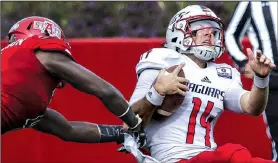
27,87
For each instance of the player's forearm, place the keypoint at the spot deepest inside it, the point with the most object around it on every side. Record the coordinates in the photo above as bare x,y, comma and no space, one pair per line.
117,104
144,109
147,104
86,81
113,100
56,124
257,100
85,132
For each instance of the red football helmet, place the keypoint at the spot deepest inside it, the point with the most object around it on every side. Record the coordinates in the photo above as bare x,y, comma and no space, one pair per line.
35,25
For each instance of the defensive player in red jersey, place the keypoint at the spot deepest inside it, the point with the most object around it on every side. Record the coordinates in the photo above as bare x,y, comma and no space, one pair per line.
36,62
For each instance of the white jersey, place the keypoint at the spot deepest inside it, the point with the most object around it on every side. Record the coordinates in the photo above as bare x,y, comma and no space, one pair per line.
189,130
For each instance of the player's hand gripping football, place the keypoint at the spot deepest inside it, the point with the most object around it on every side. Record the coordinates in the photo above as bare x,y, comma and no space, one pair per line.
170,83
261,65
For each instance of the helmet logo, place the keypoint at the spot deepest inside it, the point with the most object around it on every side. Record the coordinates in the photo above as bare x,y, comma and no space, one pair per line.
52,29
178,16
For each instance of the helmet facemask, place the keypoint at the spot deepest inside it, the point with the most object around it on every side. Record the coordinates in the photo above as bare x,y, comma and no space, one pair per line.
201,35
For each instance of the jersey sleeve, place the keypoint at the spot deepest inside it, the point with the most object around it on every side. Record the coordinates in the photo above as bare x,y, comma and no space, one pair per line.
234,93
48,43
157,59
143,85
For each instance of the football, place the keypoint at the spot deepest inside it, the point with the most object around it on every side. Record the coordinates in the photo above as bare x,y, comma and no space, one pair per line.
171,102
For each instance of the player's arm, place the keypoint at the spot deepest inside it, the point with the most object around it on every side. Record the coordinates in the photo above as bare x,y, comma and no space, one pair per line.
149,94
83,132
255,101
64,68
138,100
251,102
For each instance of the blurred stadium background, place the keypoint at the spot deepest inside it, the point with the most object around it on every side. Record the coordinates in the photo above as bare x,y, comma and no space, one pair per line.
106,19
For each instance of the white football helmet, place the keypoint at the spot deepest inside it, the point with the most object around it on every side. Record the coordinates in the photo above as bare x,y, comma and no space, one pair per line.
185,24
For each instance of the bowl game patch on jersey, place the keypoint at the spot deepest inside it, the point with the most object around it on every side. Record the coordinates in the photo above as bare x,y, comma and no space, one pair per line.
224,72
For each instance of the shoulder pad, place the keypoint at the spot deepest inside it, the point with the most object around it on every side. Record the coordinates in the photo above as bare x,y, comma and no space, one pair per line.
157,58
48,43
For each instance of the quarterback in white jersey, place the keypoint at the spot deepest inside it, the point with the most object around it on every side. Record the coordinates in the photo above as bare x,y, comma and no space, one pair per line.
195,38
189,130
